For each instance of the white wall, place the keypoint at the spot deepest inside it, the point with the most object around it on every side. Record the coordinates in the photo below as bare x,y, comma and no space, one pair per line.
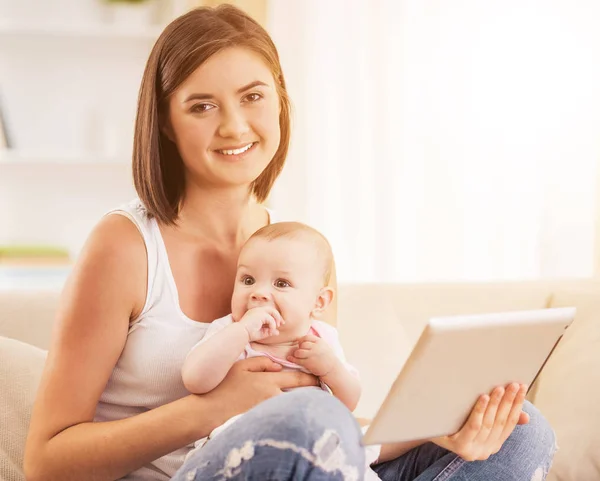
445,140
69,103
449,97
58,203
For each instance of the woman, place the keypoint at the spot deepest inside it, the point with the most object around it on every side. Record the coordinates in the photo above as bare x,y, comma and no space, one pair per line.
211,137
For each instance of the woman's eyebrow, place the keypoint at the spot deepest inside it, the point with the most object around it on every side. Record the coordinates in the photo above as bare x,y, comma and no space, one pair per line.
251,85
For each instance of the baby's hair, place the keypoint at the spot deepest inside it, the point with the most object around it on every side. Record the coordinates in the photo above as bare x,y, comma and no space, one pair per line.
298,230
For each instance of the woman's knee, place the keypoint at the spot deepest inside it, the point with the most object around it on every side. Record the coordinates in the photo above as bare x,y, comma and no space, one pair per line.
304,434
312,421
535,441
538,430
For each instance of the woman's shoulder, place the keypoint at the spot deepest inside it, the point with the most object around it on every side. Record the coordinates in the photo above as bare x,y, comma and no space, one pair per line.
118,236
135,211
114,254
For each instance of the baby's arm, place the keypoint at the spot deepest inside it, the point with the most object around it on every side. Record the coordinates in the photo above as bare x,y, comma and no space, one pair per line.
209,361
344,385
320,358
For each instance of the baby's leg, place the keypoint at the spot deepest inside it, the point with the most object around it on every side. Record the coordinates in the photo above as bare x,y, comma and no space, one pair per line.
301,435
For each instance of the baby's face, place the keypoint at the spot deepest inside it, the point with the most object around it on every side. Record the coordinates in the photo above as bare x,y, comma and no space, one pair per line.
284,273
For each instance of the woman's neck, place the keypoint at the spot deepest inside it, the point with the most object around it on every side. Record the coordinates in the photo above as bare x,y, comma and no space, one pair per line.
221,216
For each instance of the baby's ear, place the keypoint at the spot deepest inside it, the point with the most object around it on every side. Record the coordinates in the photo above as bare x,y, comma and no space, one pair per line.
323,300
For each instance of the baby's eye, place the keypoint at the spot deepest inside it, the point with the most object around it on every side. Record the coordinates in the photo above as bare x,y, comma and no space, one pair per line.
247,280
281,284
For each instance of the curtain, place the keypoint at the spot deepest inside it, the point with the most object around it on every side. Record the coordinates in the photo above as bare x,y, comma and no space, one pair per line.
444,141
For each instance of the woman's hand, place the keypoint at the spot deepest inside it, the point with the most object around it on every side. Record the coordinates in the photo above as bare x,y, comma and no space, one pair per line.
251,381
490,423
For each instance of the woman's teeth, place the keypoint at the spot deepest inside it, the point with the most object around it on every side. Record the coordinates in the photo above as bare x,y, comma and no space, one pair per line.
236,151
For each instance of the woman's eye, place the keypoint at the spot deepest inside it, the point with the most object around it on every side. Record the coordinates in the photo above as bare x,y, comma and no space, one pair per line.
248,281
282,284
254,97
201,108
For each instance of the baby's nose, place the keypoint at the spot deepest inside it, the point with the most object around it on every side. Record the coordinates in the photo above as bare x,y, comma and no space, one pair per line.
259,296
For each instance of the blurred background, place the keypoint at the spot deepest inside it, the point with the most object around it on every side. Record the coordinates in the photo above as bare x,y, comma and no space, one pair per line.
462,137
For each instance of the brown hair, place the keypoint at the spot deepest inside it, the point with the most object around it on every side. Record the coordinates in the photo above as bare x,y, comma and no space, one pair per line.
185,44
295,230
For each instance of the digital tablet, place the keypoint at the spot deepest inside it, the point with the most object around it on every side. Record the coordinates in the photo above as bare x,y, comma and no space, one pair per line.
459,358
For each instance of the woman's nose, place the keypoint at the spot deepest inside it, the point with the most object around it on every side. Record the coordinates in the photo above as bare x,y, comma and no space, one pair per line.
233,124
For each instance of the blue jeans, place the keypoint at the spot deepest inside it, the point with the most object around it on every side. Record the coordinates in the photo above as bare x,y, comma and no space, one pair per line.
309,435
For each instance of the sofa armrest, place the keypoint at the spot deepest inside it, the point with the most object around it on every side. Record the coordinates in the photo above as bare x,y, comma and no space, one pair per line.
21,367
28,315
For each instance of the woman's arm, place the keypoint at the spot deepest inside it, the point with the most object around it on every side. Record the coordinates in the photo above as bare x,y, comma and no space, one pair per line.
105,290
209,361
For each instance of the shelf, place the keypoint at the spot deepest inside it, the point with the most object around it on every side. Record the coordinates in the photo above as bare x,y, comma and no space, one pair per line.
16,157
91,30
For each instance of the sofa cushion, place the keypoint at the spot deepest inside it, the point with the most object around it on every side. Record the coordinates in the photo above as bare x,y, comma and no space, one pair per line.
20,371
568,389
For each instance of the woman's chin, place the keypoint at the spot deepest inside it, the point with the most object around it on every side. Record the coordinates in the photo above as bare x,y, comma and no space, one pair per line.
241,177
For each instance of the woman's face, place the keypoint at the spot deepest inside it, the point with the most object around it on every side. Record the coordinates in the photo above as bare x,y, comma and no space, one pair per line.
224,119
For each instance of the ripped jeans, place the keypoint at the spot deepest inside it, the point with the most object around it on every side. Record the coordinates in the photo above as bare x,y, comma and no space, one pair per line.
308,435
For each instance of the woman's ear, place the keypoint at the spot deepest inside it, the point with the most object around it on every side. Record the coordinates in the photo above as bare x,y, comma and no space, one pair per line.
323,300
166,128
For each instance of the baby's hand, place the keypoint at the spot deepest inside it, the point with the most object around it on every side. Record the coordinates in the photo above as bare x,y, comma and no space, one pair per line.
314,354
261,322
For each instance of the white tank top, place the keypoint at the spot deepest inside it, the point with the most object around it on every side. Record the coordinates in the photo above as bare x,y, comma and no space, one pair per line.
148,372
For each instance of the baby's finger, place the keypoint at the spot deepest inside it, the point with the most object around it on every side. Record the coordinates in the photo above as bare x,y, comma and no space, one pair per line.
307,345
301,353
276,315
269,322
296,360
308,338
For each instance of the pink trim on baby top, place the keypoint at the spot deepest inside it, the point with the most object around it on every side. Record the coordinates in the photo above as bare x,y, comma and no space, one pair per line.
284,362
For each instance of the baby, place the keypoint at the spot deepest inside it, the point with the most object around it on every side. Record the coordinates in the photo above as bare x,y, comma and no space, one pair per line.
281,289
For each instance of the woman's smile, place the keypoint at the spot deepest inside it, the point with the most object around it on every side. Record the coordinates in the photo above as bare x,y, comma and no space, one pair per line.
239,153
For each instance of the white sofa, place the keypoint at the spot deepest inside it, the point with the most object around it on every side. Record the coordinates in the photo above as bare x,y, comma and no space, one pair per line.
378,325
